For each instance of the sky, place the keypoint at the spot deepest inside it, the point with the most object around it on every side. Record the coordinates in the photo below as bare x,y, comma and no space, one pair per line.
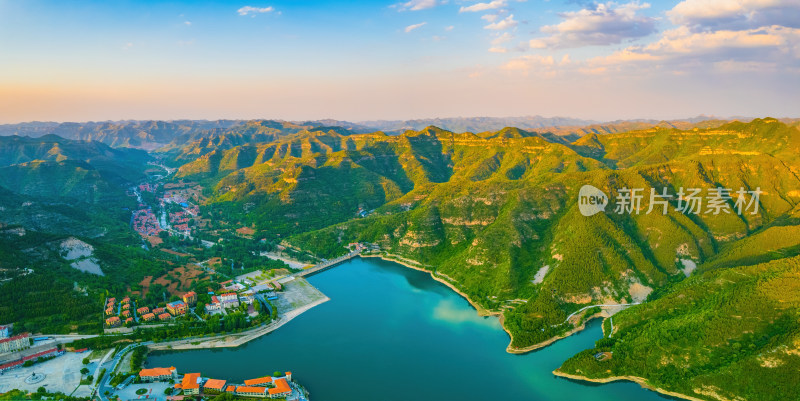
366,60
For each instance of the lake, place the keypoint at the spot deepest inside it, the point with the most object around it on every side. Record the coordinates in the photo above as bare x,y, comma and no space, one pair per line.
393,333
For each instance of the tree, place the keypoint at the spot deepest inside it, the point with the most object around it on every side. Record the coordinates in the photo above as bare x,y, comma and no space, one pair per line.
41,390
277,373
84,371
86,361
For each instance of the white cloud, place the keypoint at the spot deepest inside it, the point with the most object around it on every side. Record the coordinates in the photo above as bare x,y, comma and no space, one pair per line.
416,5
532,63
490,17
413,27
735,14
449,28
604,24
498,50
500,39
505,23
493,5
187,23
255,10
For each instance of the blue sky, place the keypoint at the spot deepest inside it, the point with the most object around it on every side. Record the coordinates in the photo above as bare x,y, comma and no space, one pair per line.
357,60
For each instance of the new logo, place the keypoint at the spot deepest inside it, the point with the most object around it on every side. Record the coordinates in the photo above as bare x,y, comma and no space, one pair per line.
591,200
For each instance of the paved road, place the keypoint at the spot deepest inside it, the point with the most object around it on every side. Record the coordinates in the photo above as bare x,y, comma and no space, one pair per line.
111,366
592,306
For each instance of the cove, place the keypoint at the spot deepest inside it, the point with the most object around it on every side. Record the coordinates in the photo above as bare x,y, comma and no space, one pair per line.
392,333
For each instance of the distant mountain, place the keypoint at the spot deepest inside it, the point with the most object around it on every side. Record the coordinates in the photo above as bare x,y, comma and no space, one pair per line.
51,166
475,124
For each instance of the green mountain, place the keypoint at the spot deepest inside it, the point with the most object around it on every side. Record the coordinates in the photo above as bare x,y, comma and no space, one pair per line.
730,332
496,215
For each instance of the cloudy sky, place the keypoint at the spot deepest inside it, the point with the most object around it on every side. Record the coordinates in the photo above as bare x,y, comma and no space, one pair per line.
358,60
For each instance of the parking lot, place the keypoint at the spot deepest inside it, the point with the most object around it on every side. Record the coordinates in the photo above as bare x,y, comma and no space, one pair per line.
62,374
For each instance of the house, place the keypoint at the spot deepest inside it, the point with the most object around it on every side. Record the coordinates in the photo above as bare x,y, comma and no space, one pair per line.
190,298
213,307
148,317
229,300
281,389
177,308
158,374
261,380
113,321
129,320
191,383
164,316
16,343
157,311
214,386
126,314
125,300
246,391
143,310
4,331
126,306
110,311
230,389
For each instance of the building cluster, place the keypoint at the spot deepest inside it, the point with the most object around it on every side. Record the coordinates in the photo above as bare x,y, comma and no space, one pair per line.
223,301
145,221
193,384
180,221
125,310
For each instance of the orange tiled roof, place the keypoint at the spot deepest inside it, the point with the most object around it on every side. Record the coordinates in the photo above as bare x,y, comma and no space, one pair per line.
230,389
214,384
190,381
244,389
260,380
155,372
281,386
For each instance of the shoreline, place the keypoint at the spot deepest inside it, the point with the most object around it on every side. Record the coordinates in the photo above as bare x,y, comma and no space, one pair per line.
236,339
481,310
638,380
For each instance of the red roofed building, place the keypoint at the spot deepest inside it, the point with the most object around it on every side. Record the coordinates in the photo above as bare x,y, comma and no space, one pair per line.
246,391
143,310
164,316
113,321
281,389
157,311
260,380
190,298
213,386
149,317
15,343
191,384
155,374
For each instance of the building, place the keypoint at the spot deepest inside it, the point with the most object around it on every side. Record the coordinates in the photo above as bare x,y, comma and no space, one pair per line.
164,316
15,343
177,308
158,374
149,317
143,310
113,321
246,391
229,300
126,314
214,386
213,307
52,352
191,384
110,311
230,389
261,380
126,306
281,389
5,331
125,300
190,298
157,311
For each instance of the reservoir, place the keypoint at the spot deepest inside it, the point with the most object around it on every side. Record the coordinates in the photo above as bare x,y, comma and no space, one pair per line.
390,333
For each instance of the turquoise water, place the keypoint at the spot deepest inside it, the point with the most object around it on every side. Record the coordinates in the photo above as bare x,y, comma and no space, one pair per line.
392,333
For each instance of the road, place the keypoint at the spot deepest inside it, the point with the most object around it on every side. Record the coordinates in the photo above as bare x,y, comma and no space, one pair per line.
104,386
592,306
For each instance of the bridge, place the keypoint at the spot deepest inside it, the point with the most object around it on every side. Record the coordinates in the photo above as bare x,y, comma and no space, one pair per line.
327,264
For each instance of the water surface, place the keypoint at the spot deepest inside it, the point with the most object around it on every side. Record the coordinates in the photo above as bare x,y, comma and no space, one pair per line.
392,333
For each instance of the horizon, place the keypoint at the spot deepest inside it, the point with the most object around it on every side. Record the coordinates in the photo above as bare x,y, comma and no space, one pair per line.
389,60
